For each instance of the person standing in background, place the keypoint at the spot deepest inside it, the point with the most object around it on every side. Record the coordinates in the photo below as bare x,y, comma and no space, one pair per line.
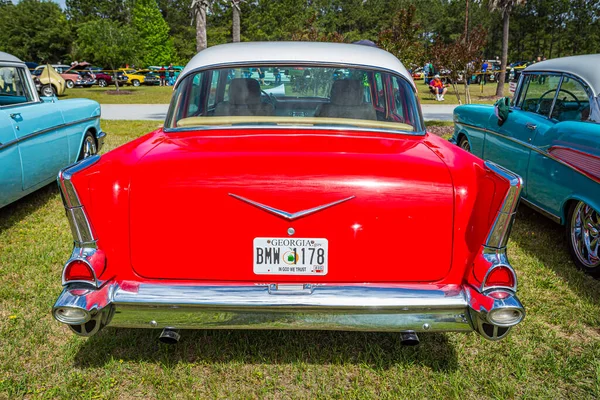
8,76
484,68
161,75
171,72
277,74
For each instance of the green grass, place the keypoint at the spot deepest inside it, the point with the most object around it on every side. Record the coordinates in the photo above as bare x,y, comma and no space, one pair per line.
162,95
554,353
137,95
477,96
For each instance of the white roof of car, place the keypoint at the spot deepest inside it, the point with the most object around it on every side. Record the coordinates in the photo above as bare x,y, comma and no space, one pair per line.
296,53
9,57
584,67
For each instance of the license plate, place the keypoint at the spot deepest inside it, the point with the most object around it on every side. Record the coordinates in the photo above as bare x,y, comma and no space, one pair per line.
286,256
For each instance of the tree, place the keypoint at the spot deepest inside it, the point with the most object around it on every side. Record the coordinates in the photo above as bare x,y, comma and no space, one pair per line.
177,15
505,7
154,33
402,38
459,57
235,7
34,30
199,8
80,11
109,43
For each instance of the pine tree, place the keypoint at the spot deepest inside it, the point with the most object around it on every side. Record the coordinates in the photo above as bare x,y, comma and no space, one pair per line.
153,30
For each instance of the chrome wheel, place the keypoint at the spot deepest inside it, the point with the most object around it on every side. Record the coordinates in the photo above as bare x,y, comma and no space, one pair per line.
464,144
47,91
585,235
70,84
135,83
102,83
89,147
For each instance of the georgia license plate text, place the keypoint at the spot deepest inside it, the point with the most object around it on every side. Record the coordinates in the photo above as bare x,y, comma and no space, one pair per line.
290,256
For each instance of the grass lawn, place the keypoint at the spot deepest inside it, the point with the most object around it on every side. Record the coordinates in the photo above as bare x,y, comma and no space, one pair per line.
477,96
137,95
162,95
554,353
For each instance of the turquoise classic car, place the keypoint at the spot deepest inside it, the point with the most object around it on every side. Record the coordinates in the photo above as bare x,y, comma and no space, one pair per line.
39,136
550,135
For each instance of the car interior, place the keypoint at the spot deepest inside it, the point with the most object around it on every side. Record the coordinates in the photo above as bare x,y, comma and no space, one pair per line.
299,92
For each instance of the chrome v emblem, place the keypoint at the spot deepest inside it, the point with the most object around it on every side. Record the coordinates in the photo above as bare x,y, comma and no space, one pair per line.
287,215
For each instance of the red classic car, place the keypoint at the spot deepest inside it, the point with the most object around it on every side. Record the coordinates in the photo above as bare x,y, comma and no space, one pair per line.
325,205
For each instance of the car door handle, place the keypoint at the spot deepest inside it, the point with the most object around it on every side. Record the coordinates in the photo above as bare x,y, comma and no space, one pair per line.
531,126
15,115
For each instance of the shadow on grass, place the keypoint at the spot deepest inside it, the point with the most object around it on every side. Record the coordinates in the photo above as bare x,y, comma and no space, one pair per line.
377,350
546,241
18,210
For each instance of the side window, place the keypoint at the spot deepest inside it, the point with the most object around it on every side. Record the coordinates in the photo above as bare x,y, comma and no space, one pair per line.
572,103
13,86
379,89
212,95
538,93
194,95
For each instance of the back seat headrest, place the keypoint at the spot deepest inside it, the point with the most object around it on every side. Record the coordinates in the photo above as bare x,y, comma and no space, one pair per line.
244,91
347,92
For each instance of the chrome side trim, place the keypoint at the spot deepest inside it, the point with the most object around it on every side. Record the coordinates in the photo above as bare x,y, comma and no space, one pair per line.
540,210
500,231
545,154
83,234
472,126
287,215
42,131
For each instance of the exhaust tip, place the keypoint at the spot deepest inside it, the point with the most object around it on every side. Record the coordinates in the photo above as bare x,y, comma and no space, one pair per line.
169,336
409,338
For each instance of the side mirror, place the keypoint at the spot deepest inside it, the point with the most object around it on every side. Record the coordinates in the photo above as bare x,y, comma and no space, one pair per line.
502,109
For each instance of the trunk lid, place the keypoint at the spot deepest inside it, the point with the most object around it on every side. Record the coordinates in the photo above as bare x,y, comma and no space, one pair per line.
396,226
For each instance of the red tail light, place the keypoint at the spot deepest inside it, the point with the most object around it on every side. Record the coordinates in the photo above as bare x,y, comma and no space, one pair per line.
79,270
500,276
85,266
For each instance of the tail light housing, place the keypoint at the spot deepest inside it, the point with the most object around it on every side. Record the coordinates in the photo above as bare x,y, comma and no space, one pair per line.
491,269
87,262
84,267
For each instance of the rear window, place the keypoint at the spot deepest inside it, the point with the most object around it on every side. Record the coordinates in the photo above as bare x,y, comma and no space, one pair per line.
295,95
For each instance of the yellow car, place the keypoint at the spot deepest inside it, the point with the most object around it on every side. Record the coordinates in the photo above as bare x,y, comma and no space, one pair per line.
48,81
133,78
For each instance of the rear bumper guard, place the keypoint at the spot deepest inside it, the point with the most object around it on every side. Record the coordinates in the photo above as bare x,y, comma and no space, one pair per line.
321,307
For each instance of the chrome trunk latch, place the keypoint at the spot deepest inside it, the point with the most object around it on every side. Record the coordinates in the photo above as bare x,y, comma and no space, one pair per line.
290,288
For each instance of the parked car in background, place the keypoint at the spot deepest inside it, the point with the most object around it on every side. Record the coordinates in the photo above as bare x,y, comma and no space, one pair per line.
515,69
151,78
133,78
550,137
39,136
49,83
418,74
308,210
72,78
104,79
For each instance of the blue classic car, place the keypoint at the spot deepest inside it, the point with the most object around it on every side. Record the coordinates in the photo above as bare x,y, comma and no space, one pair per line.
39,136
550,135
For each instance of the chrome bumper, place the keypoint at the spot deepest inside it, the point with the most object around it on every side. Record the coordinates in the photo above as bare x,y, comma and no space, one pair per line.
100,139
358,308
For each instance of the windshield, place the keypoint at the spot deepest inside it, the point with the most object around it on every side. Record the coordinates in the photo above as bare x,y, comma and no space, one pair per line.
295,95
